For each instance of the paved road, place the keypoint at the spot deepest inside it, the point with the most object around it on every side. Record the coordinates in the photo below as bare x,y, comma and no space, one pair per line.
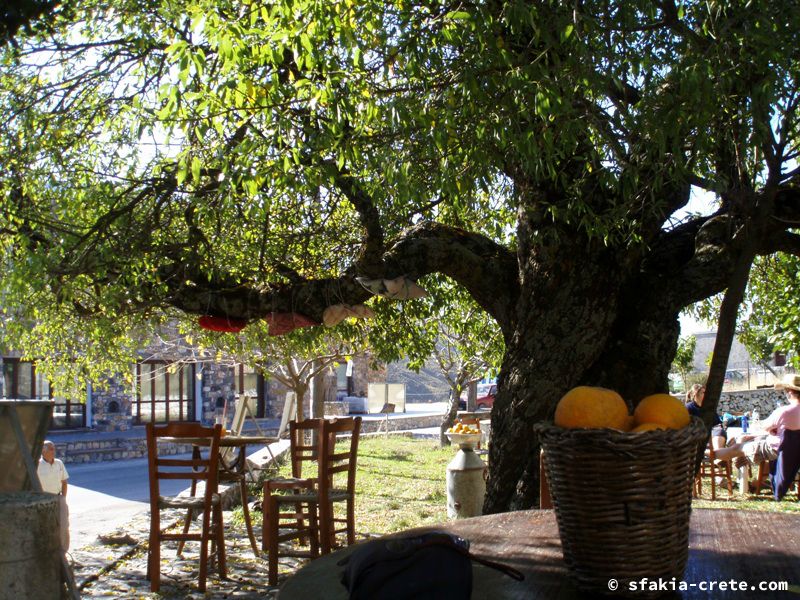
105,496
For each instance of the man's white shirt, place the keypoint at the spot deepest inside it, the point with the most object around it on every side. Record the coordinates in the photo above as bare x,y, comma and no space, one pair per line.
51,476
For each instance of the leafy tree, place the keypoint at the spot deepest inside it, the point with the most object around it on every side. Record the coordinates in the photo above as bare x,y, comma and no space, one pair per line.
251,158
773,323
683,363
463,340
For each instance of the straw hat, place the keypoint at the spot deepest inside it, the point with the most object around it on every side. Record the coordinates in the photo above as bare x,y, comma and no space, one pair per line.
791,382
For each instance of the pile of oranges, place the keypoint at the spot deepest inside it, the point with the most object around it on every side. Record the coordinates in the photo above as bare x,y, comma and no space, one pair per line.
597,408
462,428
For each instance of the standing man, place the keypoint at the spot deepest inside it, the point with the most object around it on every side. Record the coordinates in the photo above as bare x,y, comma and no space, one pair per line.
53,476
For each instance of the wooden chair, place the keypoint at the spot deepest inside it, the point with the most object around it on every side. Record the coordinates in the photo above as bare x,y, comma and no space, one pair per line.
763,478
711,468
228,473
790,442
194,469
311,499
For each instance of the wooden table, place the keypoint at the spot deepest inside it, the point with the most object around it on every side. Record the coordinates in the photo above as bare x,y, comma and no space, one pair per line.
724,545
231,470
744,472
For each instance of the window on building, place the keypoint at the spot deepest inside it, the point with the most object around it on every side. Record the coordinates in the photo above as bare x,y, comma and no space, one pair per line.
251,382
164,392
21,381
344,378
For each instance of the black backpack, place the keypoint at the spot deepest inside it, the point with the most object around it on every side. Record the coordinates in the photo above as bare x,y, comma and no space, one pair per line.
430,566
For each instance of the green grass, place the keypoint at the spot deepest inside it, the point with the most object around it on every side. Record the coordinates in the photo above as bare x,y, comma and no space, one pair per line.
763,502
400,483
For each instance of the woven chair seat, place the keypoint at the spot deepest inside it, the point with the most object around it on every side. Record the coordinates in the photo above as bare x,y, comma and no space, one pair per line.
333,496
194,502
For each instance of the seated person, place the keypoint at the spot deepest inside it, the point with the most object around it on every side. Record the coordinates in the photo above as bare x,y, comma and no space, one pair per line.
731,420
694,400
755,451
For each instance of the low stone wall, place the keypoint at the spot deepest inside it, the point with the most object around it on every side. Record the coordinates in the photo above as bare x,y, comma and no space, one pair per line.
401,423
92,451
336,409
764,400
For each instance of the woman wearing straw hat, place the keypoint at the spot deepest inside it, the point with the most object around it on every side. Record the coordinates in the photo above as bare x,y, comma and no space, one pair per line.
756,451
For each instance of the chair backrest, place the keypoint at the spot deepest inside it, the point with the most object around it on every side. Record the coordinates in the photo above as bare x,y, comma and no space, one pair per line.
191,469
302,448
335,441
239,414
237,424
289,408
470,421
338,449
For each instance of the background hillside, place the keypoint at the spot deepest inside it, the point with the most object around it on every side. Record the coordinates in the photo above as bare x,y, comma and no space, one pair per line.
426,386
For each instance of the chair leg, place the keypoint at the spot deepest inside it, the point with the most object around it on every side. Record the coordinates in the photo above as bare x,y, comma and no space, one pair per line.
190,512
204,552
713,468
154,553
219,532
265,520
313,523
246,512
729,478
272,517
325,517
298,511
186,524
351,522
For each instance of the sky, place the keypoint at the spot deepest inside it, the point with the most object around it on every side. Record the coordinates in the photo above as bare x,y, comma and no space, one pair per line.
703,203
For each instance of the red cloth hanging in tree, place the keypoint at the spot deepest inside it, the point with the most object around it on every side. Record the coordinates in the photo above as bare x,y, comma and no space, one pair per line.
281,323
228,324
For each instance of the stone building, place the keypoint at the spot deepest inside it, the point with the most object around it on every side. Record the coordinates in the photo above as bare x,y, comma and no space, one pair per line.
167,389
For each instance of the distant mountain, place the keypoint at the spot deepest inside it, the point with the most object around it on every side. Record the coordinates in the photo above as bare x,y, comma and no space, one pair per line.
426,386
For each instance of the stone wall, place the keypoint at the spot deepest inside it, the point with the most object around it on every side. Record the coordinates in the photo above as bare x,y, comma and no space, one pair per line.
219,381
336,409
764,400
92,451
111,405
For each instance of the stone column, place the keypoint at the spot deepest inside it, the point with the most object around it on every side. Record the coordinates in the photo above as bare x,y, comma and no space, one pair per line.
30,550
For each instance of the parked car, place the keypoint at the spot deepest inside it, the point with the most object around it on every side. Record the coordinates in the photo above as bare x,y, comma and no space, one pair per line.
484,399
733,376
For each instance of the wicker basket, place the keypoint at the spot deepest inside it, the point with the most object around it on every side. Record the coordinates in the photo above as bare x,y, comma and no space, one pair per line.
622,501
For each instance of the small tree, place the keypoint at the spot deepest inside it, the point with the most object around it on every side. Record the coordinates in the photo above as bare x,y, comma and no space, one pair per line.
683,363
464,341
463,359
